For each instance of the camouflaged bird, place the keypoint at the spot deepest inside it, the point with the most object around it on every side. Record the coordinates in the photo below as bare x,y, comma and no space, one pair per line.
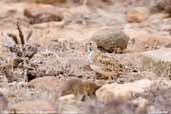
103,64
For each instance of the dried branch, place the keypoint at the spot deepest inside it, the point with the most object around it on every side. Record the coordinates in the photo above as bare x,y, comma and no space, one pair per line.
20,34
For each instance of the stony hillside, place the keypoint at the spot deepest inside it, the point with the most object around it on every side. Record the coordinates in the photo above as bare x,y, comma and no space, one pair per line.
85,56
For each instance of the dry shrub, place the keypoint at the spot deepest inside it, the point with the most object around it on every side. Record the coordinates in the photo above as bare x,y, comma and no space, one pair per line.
23,51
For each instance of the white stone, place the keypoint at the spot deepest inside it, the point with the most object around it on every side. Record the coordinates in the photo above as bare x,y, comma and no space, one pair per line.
158,61
124,92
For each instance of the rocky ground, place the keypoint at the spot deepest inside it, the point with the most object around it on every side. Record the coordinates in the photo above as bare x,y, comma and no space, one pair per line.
44,64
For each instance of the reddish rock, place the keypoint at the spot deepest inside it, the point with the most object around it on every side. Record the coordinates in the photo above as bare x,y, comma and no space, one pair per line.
144,40
138,14
48,83
42,13
48,1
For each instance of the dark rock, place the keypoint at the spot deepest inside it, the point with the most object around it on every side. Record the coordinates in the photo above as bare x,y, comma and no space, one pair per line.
110,39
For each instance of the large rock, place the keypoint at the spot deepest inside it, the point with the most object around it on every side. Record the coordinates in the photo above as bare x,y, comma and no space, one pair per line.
123,92
42,13
110,39
45,83
36,106
48,1
138,14
158,61
145,40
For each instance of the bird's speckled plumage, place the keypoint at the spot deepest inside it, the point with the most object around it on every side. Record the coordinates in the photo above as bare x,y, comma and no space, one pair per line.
106,66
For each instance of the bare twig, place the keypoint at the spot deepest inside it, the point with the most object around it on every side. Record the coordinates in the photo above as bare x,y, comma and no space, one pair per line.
21,36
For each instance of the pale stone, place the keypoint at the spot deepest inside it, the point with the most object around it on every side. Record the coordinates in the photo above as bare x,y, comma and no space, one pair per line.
67,97
36,106
158,61
122,91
